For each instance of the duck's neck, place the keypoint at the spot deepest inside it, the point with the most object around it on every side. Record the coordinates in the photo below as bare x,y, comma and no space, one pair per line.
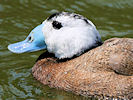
51,55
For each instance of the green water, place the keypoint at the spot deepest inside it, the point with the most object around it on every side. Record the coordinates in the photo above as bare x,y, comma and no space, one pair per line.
113,18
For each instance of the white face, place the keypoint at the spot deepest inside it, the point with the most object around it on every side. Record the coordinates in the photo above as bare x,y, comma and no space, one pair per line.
69,34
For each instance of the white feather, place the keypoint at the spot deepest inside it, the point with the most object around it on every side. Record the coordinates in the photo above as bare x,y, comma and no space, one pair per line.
73,38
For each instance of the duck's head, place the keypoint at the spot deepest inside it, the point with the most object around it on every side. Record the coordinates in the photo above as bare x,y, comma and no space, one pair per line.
64,34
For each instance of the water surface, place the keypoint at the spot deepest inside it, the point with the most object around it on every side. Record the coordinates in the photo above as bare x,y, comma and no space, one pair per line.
113,18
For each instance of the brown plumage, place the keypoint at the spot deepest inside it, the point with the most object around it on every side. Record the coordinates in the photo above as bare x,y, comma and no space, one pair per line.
105,71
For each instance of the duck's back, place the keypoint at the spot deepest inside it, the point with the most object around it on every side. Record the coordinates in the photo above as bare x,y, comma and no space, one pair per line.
103,71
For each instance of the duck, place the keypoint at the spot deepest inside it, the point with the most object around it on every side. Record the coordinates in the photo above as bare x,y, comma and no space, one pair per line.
77,60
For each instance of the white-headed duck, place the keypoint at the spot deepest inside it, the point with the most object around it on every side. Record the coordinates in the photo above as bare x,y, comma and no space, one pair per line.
77,60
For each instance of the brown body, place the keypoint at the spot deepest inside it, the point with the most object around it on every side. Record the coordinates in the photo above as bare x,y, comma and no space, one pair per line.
105,71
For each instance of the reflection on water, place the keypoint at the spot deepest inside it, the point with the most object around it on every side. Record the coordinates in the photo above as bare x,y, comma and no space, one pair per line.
17,18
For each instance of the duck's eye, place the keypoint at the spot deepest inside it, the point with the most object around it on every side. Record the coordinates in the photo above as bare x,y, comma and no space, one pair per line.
56,24
30,39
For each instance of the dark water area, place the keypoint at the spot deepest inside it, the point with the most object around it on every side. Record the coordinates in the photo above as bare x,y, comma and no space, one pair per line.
113,18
